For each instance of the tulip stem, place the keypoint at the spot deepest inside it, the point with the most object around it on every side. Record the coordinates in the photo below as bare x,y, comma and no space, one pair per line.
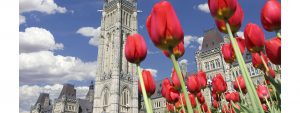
269,106
179,75
182,105
198,105
249,84
146,101
278,34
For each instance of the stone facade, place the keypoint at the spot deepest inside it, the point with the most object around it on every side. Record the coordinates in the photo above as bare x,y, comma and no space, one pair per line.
116,89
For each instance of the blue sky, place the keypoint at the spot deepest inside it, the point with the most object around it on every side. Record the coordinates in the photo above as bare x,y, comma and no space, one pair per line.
64,18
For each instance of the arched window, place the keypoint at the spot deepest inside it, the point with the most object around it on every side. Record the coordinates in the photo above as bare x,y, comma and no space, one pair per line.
125,97
105,97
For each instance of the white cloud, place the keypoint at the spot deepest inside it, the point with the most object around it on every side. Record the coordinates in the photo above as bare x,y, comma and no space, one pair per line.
37,39
43,6
45,67
91,32
22,19
152,71
240,34
200,41
185,61
203,7
28,94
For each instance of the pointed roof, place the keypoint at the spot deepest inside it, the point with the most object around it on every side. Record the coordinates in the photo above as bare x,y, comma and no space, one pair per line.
42,98
212,39
68,91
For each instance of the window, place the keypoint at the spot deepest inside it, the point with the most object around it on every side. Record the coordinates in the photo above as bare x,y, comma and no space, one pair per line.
252,71
218,62
105,98
212,65
125,100
207,65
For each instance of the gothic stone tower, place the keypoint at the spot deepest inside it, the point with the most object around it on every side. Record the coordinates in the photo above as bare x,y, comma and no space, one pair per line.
116,89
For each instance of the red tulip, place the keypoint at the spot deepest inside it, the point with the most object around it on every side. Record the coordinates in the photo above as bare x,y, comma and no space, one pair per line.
202,80
170,107
215,95
270,74
178,104
200,98
241,44
232,109
235,21
149,83
270,15
219,84
273,50
166,82
135,48
227,96
222,9
204,107
235,97
215,104
192,84
242,84
262,92
257,62
171,94
176,81
225,109
192,100
228,54
178,51
254,38
164,27
265,107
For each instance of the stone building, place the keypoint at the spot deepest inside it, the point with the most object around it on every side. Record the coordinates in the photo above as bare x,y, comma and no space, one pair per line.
116,89
66,102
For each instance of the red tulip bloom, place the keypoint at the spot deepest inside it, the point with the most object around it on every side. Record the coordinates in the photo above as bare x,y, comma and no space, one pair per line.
270,15
164,27
222,9
257,62
204,107
178,51
166,82
192,84
178,104
235,21
192,100
171,94
135,48
215,104
228,54
200,98
273,50
219,84
202,80
148,82
215,95
270,74
254,38
227,96
242,84
265,107
235,97
170,107
262,92
241,44
225,109
175,80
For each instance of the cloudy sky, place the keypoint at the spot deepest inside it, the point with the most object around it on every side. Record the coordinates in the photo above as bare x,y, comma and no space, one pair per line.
58,43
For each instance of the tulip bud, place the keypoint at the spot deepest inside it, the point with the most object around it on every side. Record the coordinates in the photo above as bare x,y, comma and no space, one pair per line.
219,84
171,94
240,81
257,62
170,107
225,109
202,80
166,82
270,15
232,109
235,21
228,96
215,104
164,27
222,9
178,51
235,97
192,84
273,50
135,48
176,81
204,107
192,100
228,54
215,95
254,38
178,104
200,98
241,44
265,107
148,82
270,74
262,92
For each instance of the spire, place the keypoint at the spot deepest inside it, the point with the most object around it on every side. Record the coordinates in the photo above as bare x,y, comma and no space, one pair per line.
91,85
